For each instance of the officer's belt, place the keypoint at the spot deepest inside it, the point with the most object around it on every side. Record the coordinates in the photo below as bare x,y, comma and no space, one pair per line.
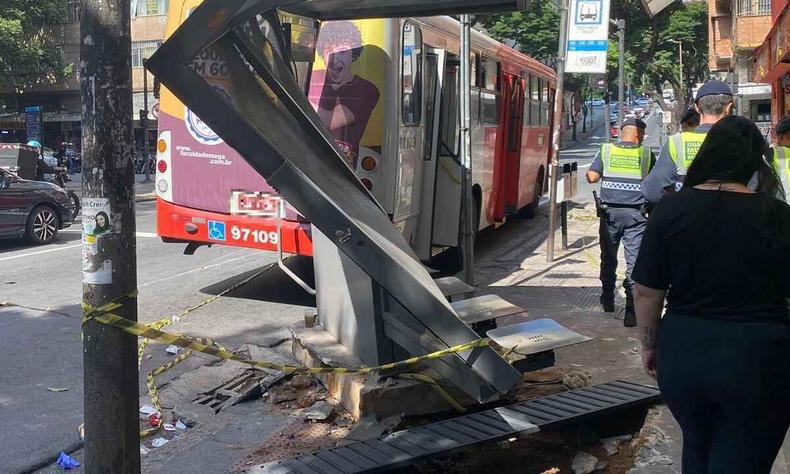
622,206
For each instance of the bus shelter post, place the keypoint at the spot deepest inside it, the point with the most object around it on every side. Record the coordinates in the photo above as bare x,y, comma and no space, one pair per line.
556,136
468,232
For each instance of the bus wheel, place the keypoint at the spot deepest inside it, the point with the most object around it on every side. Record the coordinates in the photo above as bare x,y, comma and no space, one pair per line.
531,210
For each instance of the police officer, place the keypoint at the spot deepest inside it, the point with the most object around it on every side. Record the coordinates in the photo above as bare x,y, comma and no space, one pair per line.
713,102
781,152
690,120
621,168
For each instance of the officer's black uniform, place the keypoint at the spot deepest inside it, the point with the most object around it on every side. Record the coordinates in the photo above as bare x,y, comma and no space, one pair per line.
622,167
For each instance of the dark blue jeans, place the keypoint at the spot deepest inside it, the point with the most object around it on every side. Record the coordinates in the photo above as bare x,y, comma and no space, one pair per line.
624,225
728,386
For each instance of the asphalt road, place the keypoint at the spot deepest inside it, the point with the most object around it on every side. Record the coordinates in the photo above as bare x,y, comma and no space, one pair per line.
41,349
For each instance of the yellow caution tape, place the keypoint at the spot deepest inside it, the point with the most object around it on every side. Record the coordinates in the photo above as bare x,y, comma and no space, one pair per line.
103,315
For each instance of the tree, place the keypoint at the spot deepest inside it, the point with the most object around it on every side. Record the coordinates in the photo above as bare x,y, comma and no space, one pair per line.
651,58
534,32
27,52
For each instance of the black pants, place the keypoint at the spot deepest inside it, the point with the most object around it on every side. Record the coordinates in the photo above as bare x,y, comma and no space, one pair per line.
620,224
728,386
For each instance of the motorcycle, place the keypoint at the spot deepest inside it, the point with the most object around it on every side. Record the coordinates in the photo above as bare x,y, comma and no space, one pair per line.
61,177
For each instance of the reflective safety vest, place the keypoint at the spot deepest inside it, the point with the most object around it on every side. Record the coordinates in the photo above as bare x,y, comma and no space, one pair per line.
624,168
683,148
782,167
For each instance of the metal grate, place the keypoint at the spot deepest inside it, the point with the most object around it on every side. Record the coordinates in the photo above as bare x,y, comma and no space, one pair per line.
409,446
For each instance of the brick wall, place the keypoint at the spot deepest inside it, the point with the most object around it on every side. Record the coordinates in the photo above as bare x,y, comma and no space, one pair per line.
750,31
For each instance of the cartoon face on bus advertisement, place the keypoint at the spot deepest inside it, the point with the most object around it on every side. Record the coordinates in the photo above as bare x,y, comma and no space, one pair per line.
346,85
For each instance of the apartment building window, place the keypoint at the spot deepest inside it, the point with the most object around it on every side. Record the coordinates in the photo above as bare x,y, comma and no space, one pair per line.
754,7
142,50
148,7
73,11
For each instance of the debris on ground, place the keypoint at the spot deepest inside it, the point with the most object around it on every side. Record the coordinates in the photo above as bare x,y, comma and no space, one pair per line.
299,437
174,350
57,389
159,442
584,463
155,419
144,450
67,462
180,425
320,411
577,379
370,427
169,427
146,411
602,466
612,445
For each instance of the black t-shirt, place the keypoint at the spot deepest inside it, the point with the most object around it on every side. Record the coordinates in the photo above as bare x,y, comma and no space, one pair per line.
722,255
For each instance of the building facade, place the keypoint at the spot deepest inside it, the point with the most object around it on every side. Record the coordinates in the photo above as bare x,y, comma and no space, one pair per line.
61,103
771,62
735,28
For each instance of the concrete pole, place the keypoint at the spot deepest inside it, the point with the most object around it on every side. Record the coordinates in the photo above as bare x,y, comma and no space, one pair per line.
468,231
557,135
621,73
112,431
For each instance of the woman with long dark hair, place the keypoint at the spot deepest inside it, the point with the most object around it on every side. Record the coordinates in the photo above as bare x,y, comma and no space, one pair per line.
719,250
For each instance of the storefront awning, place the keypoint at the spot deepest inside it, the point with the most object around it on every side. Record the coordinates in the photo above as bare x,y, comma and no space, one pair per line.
772,58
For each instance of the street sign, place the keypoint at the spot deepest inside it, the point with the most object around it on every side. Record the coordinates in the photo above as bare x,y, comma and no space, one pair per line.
588,36
35,123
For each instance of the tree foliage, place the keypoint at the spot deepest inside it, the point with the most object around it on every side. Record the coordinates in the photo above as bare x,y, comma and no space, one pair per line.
534,31
27,51
651,58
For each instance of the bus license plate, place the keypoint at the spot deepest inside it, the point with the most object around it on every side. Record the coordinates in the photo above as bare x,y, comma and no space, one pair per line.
255,204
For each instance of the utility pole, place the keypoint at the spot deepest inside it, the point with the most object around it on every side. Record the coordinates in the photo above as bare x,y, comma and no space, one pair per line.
621,72
109,269
144,124
468,231
557,136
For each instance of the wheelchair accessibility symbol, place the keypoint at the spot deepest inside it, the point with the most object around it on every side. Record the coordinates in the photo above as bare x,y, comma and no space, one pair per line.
216,230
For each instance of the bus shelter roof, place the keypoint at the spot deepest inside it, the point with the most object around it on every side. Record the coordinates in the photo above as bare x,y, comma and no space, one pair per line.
256,106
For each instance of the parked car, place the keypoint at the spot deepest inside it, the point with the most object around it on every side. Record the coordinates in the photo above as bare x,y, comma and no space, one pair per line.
35,210
595,103
643,102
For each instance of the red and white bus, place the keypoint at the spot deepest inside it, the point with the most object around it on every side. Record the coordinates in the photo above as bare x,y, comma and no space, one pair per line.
387,90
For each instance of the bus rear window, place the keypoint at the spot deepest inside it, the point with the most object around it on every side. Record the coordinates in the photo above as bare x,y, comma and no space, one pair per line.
411,71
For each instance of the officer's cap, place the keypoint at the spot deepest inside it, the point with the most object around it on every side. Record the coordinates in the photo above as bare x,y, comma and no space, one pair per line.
634,122
689,115
713,87
783,126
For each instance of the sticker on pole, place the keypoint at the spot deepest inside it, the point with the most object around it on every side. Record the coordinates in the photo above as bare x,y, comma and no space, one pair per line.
96,227
588,36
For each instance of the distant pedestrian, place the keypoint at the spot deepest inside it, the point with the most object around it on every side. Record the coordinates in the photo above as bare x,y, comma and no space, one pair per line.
621,168
713,102
720,251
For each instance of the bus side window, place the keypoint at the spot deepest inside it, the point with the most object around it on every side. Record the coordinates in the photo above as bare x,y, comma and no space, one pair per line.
489,99
544,106
411,72
535,102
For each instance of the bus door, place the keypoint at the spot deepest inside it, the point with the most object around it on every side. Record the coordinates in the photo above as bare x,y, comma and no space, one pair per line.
507,162
513,128
434,80
447,193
